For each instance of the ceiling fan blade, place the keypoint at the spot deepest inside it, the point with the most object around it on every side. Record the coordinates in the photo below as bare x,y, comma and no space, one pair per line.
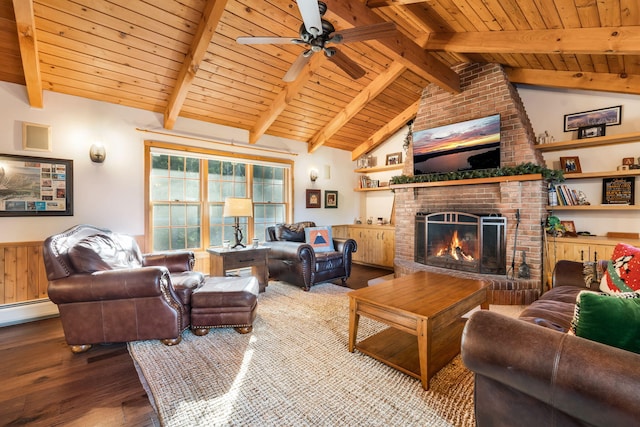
367,32
266,40
347,65
311,16
297,66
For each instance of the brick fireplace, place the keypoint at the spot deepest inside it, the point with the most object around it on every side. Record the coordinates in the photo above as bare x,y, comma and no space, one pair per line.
485,91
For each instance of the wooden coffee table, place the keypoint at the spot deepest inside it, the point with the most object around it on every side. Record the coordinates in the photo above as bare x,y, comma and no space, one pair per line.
425,305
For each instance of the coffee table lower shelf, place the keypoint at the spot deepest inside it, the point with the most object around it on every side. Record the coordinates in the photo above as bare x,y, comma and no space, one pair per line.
399,349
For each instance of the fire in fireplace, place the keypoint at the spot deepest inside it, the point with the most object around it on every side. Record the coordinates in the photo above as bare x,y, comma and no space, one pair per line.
462,241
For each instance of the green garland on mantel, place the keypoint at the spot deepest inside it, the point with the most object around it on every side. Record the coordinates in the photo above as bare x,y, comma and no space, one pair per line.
551,175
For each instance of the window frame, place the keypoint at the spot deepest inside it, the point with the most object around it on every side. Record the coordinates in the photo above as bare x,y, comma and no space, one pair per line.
154,147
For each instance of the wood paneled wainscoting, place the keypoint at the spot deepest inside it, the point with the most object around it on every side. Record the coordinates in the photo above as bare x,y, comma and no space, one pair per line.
22,274
23,283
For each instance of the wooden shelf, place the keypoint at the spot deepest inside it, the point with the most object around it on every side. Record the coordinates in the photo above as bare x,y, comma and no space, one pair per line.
380,168
388,188
610,174
491,180
595,208
589,142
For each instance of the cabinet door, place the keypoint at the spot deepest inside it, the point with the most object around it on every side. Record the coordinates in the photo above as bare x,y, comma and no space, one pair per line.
580,252
600,252
388,238
357,235
340,231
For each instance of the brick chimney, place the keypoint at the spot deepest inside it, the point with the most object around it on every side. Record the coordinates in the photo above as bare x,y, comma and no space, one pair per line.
485,91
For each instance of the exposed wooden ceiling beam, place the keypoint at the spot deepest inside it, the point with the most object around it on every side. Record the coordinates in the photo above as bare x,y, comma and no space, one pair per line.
26,24
383,3
590,41
386,131
400,47
283,99
576,80
374,89
206,29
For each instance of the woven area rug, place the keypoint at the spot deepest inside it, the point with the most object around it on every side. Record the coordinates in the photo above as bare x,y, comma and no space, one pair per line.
294,369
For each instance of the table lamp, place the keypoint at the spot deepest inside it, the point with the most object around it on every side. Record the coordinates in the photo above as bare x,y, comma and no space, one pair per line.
237,207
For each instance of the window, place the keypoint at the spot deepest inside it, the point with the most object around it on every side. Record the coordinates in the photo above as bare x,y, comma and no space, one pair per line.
187,193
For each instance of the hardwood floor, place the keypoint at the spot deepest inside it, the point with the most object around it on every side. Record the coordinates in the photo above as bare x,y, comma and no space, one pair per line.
44,384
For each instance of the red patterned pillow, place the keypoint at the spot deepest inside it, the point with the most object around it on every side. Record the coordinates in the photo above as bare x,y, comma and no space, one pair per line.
623,270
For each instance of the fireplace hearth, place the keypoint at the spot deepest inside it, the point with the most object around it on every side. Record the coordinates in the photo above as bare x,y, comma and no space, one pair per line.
461,241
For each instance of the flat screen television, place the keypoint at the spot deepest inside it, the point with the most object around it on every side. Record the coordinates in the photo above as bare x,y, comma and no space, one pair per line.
469,145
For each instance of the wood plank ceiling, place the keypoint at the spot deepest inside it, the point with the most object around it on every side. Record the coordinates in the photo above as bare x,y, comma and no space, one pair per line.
180,58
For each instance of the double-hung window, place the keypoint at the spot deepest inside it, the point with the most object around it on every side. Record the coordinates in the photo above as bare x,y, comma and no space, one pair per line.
187,189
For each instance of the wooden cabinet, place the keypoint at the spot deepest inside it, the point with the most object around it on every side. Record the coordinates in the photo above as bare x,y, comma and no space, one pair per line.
581,248
376,243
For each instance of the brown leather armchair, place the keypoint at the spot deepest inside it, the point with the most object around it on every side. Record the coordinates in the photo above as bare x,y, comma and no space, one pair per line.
107,291
292,260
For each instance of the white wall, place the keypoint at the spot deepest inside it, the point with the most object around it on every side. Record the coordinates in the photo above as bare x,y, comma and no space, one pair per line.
111,194
546,108
379,204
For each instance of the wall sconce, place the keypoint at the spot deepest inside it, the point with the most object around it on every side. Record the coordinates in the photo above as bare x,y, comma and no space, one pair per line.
313,175
97,153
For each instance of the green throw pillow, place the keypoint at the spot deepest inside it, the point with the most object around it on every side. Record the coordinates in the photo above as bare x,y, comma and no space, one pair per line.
609,319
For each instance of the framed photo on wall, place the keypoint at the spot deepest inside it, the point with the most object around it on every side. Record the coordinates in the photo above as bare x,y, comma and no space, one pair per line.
314,199
35,186
330,199
610,116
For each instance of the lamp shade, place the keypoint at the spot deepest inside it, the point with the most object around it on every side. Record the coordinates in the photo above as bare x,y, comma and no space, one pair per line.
237,207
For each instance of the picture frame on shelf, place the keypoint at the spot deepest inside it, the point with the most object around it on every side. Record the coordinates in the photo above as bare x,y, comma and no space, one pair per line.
609,116
330,199
313,198
592,131
394,158
628,161
36,186
569,228
618,191
570,164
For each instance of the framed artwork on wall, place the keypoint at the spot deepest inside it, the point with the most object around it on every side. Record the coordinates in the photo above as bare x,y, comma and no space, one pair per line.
35,186
314,198
330,199
610,116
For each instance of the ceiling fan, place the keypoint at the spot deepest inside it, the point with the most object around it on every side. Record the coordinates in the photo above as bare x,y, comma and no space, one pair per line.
315,33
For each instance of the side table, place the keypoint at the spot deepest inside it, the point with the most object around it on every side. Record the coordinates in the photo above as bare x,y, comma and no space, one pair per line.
221,260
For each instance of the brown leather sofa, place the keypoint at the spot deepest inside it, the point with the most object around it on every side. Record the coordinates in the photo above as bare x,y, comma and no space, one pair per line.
293,261
530,372
107,291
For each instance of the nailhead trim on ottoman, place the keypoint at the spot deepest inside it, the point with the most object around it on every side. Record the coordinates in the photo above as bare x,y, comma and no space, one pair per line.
224,302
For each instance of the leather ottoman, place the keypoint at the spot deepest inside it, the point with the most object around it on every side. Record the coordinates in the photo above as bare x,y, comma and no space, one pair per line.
224,302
